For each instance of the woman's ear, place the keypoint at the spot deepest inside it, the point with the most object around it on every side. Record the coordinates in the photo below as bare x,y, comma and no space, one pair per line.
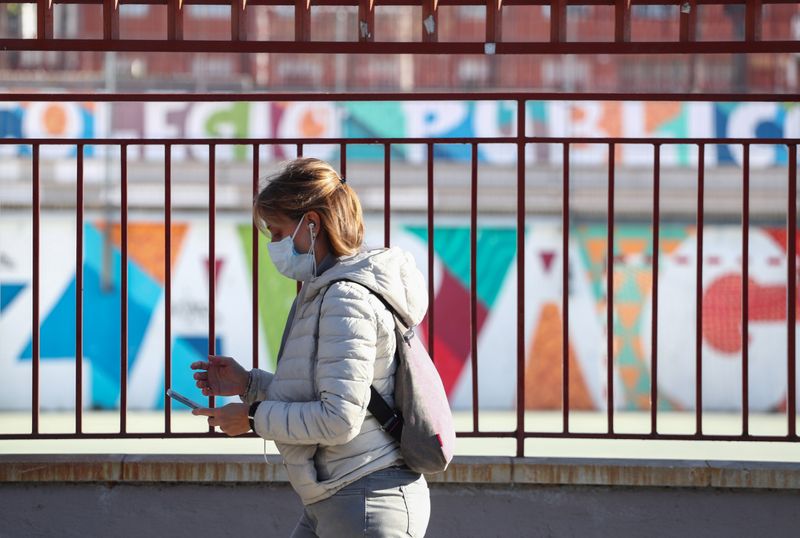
313,220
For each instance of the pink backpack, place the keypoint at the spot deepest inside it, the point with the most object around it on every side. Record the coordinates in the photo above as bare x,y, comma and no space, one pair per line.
422,422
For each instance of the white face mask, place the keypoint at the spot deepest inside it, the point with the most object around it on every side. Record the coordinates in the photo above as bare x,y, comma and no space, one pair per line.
291,263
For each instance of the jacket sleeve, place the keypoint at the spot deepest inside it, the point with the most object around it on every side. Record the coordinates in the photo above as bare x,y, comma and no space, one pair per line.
343,372
258,386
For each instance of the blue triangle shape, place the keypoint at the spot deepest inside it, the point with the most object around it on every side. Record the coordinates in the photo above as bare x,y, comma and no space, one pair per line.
9,292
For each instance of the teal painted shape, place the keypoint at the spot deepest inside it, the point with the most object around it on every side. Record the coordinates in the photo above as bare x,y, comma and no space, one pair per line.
497,248
102,320
9,292
373,120
384,120
185,351
537,111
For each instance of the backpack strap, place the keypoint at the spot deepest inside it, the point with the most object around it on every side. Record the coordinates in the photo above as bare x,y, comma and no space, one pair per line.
390,420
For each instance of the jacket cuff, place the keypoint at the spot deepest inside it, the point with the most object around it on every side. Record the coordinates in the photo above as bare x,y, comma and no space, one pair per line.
258,383
258,418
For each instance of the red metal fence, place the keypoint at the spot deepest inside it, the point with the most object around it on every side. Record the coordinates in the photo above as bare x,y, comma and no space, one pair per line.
520,139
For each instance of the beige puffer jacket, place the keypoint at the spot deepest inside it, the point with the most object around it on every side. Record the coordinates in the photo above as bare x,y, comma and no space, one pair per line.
315,405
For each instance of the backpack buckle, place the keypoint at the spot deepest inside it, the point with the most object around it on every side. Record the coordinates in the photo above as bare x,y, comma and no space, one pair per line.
390,425
408,335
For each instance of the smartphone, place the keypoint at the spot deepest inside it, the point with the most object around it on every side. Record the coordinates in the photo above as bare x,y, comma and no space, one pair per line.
183,399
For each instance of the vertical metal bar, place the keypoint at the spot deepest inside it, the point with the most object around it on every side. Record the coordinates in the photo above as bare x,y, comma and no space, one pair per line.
520,278
343,159
622,21
174,20
79,293
302,20
167,285
791,306
610,292
430,21
688,20
35,330
299,154
366,20
746,291
238,20
565,291
110,19
431,288
44,19
212,258
473,284
558,21
654,314
494,21
699,295
752,20
123,296
387,194
254,246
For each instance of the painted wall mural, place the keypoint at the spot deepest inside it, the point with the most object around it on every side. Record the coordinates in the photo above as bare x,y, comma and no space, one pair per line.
410,119
496,312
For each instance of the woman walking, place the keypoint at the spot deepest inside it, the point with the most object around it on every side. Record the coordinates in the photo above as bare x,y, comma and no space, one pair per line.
338,341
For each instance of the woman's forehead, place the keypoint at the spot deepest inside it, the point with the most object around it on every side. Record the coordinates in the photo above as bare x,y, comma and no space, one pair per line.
277,219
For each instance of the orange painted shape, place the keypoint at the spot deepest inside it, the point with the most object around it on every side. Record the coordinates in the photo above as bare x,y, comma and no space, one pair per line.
629,375
644,279
616,345
55,119
611,119
619,279
638,350
543,372
628,314
146,242
596,249
657,114
668,246
310,125
632,246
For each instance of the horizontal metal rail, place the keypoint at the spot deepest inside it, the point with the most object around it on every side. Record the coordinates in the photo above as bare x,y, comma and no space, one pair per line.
429,21
156,97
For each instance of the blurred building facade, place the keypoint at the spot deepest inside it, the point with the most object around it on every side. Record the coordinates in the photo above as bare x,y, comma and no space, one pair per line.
288,72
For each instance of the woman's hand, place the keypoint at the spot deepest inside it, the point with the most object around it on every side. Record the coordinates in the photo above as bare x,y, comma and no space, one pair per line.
220,376
232,419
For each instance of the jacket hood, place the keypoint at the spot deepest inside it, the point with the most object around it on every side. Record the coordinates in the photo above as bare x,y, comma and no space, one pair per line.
389,272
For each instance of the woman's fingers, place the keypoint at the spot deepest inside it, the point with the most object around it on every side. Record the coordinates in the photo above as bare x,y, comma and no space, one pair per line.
203,376
199,365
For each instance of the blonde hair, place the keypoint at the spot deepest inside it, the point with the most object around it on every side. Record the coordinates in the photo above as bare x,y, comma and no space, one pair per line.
310,184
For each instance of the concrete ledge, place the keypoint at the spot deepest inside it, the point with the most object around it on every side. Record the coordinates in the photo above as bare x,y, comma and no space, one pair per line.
464,470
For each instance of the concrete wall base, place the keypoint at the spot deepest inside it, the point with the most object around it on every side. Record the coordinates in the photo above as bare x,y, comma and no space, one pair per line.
36,499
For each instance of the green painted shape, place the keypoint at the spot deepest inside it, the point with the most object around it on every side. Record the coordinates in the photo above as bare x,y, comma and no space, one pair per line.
497,248
236,116
275,292
629,291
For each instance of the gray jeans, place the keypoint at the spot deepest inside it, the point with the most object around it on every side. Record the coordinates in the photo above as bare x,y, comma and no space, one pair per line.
387,503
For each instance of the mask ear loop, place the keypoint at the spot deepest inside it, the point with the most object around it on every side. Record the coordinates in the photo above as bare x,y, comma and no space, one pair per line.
311,249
